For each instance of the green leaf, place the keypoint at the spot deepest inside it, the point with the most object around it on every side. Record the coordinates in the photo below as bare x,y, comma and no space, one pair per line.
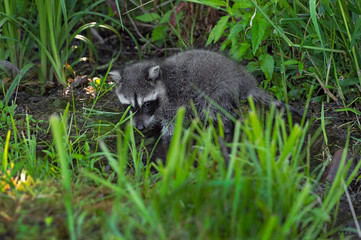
218,30
179,16
291,62
148,17
259,26
211,3
267,65
252,66
356,33
244,47
242,4
314,20
301,66
159,32
236,28
239,50
166,17
349,82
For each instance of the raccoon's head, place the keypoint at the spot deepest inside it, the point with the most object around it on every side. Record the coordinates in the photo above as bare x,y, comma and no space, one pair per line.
140,87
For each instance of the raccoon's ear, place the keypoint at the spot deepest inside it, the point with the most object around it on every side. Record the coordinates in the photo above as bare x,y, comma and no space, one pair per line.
153,72
115,75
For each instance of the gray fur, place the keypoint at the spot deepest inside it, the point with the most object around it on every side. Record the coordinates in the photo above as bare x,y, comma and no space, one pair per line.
187,76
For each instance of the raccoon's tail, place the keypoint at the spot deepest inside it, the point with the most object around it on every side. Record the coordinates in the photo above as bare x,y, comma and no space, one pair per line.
260,96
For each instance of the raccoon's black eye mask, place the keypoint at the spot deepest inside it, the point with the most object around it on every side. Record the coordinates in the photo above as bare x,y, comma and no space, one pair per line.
150,106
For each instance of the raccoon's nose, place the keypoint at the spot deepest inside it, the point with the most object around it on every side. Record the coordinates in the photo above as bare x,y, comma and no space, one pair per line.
140,126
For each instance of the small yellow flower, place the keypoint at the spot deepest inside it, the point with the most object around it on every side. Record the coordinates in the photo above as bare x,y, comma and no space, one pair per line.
97,81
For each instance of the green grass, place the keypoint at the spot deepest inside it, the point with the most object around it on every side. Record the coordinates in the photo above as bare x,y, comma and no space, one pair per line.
262,189
53,35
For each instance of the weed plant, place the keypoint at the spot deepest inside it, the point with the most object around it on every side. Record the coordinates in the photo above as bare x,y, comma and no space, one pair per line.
303,38
53,30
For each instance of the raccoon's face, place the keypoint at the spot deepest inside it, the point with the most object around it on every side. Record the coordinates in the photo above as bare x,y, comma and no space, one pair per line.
141,89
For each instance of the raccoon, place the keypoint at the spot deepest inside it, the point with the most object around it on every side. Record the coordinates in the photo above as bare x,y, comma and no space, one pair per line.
156,89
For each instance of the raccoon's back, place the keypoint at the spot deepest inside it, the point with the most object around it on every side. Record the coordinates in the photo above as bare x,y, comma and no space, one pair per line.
191,72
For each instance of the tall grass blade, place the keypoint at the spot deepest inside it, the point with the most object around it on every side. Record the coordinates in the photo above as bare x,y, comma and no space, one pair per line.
173,152
15,83
58,132
5,156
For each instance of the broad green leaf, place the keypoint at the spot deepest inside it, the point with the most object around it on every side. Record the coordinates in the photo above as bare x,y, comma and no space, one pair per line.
218,30
166,16
349,82
238,50
291,62
236,28
159,32
252,66
244,47
267,65
148,17
211,3
242,4
259,26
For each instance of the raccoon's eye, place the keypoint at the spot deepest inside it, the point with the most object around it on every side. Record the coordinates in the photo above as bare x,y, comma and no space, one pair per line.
150,106
147,104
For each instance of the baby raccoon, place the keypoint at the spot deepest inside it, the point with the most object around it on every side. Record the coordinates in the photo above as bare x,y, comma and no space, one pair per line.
155,89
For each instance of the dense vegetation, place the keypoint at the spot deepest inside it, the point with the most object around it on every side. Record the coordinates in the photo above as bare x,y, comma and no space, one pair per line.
81,174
